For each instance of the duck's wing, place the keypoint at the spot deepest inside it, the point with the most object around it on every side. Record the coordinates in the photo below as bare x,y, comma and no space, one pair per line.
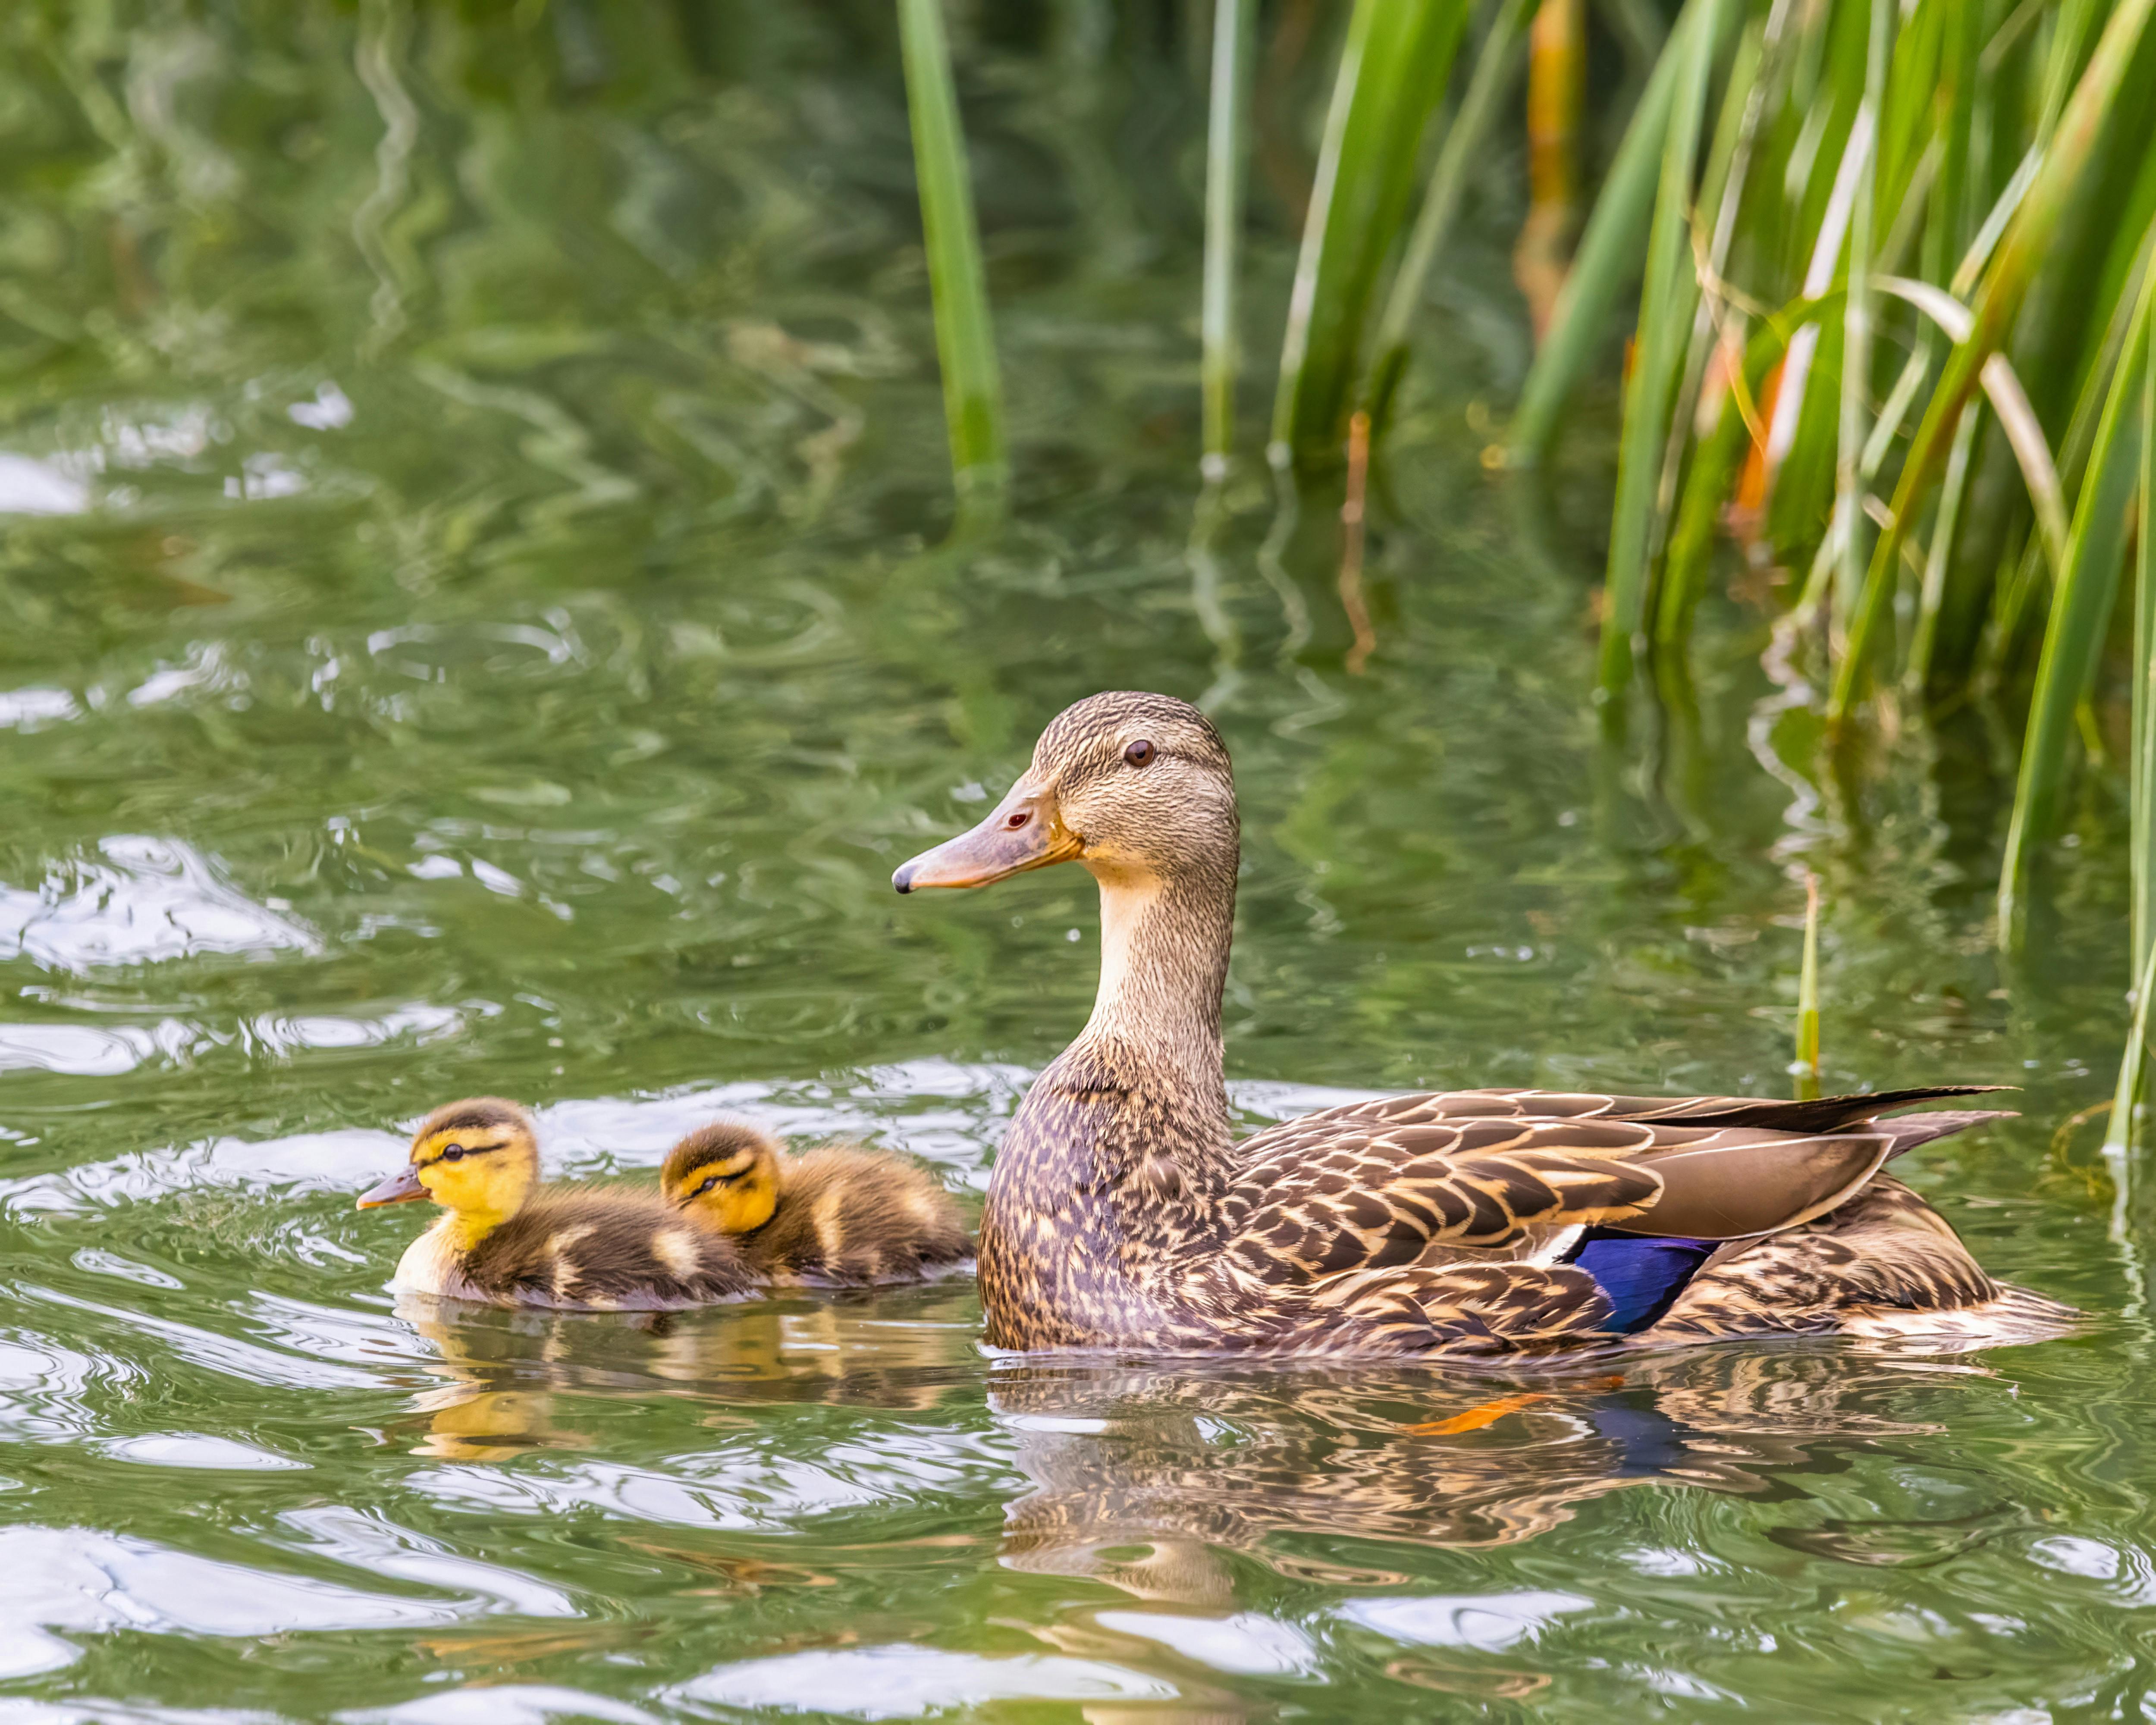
1781,1114
1374,1185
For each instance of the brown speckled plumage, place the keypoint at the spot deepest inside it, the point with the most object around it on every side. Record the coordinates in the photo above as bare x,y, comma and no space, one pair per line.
1121,1213
846,1217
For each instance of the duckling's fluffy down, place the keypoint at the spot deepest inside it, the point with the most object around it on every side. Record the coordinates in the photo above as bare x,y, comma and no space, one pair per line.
849,1216
602,1251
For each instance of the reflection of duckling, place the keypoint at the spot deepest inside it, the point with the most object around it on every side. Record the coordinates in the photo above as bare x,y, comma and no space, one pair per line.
836,1215
507,1241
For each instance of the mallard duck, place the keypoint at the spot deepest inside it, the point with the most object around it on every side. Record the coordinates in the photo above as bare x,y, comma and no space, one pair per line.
508,1241
838,1216
1122,1214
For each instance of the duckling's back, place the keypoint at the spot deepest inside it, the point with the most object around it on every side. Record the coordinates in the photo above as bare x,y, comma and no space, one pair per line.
607,1251
849,1216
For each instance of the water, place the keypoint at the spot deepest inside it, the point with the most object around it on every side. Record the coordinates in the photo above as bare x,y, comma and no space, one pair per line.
474,620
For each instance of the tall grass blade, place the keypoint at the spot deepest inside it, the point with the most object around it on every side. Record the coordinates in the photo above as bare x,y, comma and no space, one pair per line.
2002,385
1666,314
1227,125
1556,91
2006,281
2081,610
2134,1063
2133,1067
1946,524
1495,65
1715,461
1860,312
1716,328
2142,780
965,336
1807,1068
1393,66
1789,452
1610,248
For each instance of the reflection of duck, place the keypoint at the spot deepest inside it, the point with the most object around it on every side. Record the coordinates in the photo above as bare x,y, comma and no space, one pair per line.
837,1216
1120,1215
505,1239
515,1381
1151,1478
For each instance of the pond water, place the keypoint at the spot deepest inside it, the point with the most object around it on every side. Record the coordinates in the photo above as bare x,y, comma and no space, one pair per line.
476,617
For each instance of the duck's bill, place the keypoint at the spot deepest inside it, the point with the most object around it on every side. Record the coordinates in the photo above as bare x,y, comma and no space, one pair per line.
995,848
400,1187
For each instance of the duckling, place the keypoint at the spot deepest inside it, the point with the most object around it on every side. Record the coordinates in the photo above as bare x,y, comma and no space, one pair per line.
836,1216
505,1239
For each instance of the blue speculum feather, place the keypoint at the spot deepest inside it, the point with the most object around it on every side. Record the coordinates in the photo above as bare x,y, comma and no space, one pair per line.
1641,1274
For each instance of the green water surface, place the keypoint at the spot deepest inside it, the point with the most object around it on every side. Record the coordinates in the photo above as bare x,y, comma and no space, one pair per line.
474,617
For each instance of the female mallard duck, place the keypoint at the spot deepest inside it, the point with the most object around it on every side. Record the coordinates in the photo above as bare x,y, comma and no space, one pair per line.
506,1240
839,1216
1121,1213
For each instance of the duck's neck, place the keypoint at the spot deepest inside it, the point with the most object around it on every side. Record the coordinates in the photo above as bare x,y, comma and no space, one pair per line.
465,1230
1164,942
1120,1153
469,1224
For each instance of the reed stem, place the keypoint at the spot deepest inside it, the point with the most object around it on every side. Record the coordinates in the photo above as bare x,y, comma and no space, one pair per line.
1464,139
1227,127
1807,1068
957,284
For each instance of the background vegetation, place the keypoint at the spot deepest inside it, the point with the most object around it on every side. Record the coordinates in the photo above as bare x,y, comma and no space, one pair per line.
1889,377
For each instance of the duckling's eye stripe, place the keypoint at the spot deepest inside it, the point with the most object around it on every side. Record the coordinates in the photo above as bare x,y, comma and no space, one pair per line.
458,1153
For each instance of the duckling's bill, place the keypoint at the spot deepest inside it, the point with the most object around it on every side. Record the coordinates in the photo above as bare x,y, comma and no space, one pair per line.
400,1187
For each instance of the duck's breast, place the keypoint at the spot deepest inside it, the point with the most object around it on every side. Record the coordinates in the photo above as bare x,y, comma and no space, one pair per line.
430,1264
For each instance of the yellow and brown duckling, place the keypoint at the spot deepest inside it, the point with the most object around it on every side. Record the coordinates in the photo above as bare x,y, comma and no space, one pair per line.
838,1216
505,1238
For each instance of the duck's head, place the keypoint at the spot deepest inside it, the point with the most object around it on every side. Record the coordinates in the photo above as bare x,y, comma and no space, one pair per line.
727,1173
478,1159
1136,787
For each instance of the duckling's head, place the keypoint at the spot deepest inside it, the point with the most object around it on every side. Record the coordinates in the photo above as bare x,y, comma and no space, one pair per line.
727,1173
478,1159
1137,787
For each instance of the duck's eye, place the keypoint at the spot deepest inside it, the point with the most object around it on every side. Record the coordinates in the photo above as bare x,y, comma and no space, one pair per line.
705,1187
1018,820
1140,753
455,1152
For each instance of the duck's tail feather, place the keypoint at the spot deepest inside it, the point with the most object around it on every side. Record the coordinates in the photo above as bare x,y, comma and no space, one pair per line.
1826,1114
2012,1316
1914,1129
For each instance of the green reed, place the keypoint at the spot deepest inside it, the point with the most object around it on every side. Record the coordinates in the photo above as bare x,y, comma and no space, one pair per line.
965,333
1227,123
1496,64
2141,766
1393,67
1807,1066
